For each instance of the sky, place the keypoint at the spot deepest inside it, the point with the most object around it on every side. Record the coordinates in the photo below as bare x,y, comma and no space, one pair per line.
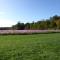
13,11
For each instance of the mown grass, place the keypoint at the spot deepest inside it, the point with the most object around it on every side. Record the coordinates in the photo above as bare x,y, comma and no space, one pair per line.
30,47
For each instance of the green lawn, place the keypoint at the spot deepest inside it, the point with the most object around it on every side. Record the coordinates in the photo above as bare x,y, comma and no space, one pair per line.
30,47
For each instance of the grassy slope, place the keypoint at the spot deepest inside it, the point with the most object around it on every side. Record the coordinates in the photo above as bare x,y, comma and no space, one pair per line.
30,47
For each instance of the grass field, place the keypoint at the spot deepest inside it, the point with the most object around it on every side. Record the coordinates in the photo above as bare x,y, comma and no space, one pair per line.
30,47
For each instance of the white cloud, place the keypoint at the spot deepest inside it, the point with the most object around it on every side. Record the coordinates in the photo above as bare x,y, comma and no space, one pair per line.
7,22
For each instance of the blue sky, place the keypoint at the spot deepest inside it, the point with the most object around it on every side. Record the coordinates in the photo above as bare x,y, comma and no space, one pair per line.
12,11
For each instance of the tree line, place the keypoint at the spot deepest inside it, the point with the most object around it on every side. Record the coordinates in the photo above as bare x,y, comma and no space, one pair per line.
51,23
